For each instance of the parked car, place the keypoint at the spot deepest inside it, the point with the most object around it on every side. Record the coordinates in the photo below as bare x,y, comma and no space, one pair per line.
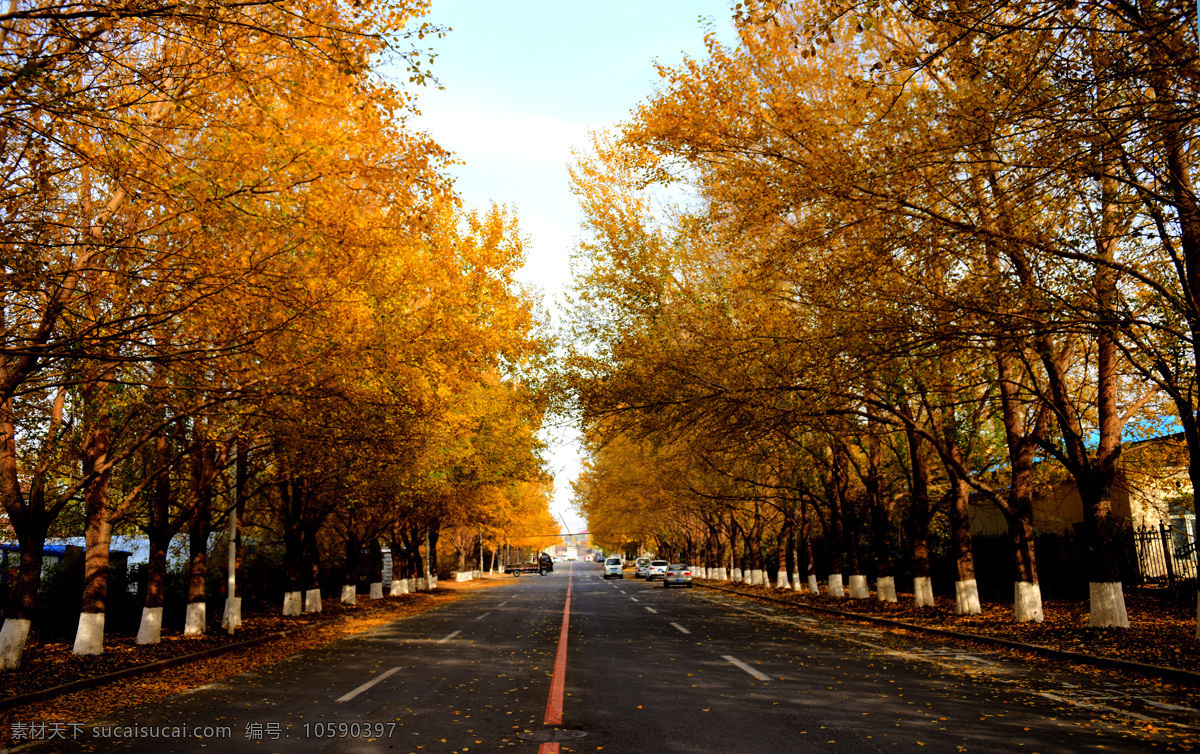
677,573
657,569
612,567
641,567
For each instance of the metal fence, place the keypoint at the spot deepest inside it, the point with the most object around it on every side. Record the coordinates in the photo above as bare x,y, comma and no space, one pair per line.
1153,555
1165,553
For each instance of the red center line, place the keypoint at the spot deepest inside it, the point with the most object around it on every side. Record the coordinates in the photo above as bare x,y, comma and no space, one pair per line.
554,705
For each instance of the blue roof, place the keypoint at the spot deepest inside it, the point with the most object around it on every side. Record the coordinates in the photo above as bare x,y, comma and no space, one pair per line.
59,550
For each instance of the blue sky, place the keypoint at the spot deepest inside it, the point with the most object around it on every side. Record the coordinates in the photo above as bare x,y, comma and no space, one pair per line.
525,81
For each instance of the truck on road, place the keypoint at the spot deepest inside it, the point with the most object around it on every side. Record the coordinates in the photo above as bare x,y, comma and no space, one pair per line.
543,565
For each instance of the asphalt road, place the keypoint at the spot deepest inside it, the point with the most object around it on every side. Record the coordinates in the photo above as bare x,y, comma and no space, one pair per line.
645,669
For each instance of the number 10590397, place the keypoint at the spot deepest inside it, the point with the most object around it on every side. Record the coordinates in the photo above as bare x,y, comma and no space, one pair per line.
349,730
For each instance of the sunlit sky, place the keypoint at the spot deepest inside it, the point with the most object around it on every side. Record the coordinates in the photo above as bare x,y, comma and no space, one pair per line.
525,81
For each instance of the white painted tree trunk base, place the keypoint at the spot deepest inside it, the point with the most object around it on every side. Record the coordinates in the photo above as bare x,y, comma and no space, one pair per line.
432,581
966,598
1027,602
858,587
412,585
312,601
89,638
781,581
923,591
835,585
813,586
420,584
399,587
197,616
735,575
885,589
291,603
757,577
1107,602
796,582
349,595
231,619
376,590
12,642
723,575
150,629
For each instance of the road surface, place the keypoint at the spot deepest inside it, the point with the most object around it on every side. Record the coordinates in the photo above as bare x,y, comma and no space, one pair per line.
573,663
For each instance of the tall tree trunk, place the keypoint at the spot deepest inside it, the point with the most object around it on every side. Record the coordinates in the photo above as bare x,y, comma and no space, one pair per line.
880,503
834,536
852,539
400,556
787,546
1027,594
966,589
1179,151
956,462
417,535
1100,516
375,565
808,556
435,530
919,514
881,525
89,638
312,566
199,528
231,617
293,548
30,522
851,526
350,578
158,535
757,570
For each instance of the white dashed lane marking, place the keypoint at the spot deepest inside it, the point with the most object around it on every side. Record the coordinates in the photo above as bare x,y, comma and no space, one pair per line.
448,637
682,630
369,684
735,661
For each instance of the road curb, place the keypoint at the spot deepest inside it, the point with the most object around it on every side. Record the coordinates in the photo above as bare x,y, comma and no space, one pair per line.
1156,671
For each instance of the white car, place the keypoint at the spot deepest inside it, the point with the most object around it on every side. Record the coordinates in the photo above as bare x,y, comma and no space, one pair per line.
612,567
641,567
677,573
656,570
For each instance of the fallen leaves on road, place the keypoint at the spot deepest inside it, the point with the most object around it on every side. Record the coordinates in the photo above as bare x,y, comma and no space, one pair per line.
1162,629
48,665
